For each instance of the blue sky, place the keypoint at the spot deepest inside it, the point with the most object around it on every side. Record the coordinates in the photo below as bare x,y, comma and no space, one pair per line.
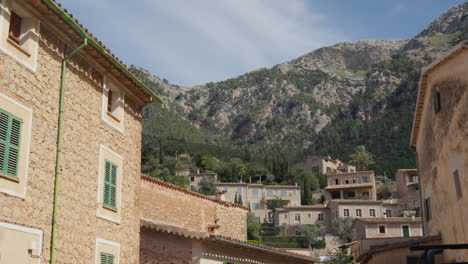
198,41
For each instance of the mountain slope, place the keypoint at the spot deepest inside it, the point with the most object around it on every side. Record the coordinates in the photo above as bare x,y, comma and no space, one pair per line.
325,102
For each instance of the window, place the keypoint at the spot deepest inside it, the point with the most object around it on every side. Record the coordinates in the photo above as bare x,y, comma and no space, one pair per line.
388,213
239,190
10,135
309,215
346,181
255,205
365,194
336,195
372,212
382,229
14,32
297,218
405,231
456,179
329,169
107,258
337,181
320,217
365,179
436,102
284,193
293,192
226,189
346,212
254,192
315,169
427,209
113,98
358,212
351,195
270,193
285,216
354,181
192,178
109,101
110,184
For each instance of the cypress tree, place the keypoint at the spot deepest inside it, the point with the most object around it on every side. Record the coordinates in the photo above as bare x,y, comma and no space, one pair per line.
235,199
239,201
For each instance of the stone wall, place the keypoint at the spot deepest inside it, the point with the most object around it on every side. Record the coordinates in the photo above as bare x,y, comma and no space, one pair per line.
159,247
84,131
442,147
168,204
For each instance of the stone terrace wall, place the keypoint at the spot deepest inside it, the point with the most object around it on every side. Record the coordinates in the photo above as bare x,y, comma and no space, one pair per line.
168,204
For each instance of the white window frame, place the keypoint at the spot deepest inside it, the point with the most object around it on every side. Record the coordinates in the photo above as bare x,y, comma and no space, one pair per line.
109,243
284,191
104,115
29,230
378,228
270,193
370,212
297,217
360,212
320,218
255,192
346,211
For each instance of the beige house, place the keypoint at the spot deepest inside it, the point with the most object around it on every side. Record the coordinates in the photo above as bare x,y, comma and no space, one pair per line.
256,196
441,141
199,229
94,166
323,165
303,215
351,186
363,208
407,183
384,227
195,177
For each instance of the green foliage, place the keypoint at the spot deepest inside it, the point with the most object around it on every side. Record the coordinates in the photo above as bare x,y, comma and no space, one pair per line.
272,204
239,200
253,227
312,235
206,186
342,227
181,181
282,241
361,158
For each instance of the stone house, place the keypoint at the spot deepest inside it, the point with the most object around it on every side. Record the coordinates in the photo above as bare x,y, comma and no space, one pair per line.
199,229
441,140
351,186
384,227
257,196
195,177
407,183
88,179
323,165
303,215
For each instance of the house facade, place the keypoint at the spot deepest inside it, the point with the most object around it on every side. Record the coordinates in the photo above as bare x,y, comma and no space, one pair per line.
303,215
408,194
385,227
257,196
195,177
441,141
351,186
323,165
84,169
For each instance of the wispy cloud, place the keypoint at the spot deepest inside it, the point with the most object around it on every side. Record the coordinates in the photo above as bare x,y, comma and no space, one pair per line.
190,42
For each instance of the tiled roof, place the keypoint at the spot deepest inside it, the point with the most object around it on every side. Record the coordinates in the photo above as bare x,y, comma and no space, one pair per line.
174,230
423,85
390,220
183,190
350,173
357,201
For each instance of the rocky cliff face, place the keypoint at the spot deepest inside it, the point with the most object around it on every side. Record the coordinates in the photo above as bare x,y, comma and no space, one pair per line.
295,101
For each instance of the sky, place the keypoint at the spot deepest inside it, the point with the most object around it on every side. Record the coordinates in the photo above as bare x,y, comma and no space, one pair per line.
191,42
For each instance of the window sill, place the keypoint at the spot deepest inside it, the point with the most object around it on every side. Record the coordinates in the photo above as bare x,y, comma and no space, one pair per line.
110,208
113,116
13,179
18,47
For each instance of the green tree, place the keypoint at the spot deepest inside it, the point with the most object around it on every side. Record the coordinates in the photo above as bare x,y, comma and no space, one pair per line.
179,180
253,227
272,204
235,199
312,235
307,193
361,158
206,186
342,227
239,201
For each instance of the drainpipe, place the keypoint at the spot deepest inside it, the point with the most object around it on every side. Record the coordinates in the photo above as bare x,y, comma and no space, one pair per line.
421,202
58,157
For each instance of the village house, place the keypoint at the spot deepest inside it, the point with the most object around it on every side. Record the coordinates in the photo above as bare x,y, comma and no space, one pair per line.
323,165
195,178
199,229
351,186
67,188
258,196
303,215
383,227
441,141
407,191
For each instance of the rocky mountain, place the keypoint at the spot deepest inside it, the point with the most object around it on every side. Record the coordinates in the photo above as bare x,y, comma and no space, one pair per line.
325,102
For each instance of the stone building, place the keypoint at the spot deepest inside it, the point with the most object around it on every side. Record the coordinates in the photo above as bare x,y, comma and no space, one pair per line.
195,177
198,230
323,165
351,186
97,160
303,215
441,141
385,227
407,183
257,196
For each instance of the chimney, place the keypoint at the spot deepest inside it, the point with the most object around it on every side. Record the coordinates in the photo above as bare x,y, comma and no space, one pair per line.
198,171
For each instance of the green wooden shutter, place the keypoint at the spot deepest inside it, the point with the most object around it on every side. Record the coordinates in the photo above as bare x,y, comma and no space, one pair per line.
10,135
107,258
110,184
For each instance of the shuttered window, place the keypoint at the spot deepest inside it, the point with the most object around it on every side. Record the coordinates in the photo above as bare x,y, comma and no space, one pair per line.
110,184
436,102
10,135
107,258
